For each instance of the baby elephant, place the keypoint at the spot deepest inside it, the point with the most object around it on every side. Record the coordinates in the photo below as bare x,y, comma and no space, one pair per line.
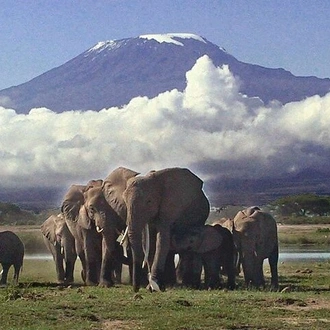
210,247
11,253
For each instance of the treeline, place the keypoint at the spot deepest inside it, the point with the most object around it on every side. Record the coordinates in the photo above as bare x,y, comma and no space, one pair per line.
302,209
12,214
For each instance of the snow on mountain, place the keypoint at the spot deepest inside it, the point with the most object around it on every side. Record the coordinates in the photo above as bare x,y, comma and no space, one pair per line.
170,37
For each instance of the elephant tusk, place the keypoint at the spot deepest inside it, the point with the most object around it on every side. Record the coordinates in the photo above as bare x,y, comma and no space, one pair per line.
146,247
124,242
153,285
99,229
62,250
125,236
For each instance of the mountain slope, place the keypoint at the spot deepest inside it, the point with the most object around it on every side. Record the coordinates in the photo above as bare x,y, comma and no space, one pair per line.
113,72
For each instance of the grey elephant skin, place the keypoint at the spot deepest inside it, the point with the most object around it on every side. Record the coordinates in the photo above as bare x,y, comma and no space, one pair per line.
11,254
210,247
255,235
61,244
169,200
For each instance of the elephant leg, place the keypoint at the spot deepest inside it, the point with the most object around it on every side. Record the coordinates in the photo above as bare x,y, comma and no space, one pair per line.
229,266
248,265
17,268
4,276
117,272
93,255
228,261
162,250
259,280
69,270
273,261
191,269
211,264
107,266
169,274
58,258
83,266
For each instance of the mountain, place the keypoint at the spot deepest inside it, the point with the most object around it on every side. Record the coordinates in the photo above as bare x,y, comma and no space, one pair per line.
113,72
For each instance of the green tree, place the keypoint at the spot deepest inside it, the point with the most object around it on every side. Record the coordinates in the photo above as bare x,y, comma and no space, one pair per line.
302,205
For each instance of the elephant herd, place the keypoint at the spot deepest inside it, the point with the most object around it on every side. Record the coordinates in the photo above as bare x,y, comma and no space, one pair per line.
144,221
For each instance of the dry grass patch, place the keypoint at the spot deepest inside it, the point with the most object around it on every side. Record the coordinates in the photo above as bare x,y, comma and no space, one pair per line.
120,325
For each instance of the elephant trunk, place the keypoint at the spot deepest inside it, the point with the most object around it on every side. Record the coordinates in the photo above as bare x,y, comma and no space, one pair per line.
135,239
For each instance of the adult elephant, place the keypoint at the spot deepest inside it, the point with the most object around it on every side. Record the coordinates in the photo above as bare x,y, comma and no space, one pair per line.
98,215
211,247
88,243
170,200
61,244
104,208
11,253
255,234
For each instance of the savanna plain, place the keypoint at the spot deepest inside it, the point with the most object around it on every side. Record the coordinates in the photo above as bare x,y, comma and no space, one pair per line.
38,302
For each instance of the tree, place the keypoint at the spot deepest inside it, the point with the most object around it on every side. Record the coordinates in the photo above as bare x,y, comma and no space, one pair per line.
303,205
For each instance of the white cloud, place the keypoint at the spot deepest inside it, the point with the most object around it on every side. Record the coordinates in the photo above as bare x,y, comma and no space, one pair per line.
210,127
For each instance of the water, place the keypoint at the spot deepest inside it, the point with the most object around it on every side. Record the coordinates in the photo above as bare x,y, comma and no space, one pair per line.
286,254
304,254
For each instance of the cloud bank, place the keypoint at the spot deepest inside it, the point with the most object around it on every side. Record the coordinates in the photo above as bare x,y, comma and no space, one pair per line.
209,127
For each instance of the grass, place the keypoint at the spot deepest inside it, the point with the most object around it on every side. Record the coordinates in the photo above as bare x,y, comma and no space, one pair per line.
304,235
38,303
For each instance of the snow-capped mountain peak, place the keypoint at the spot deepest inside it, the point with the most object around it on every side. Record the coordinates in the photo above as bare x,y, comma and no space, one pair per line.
171,37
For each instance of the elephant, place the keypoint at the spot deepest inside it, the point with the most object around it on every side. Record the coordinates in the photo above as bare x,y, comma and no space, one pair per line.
211,247
88,242
169,201
255,235
104,208
11,253
96,213
61,244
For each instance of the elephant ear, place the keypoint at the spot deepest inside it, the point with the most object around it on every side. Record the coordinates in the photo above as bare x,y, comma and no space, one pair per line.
211,239
59,224
267,229
72,202
48,229
180,190
83,219
114,186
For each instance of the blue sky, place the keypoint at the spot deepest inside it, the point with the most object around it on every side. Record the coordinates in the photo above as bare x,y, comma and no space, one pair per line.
39,35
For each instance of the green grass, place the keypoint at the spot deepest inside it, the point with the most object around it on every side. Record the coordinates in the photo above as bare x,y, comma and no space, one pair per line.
306,236
38,303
